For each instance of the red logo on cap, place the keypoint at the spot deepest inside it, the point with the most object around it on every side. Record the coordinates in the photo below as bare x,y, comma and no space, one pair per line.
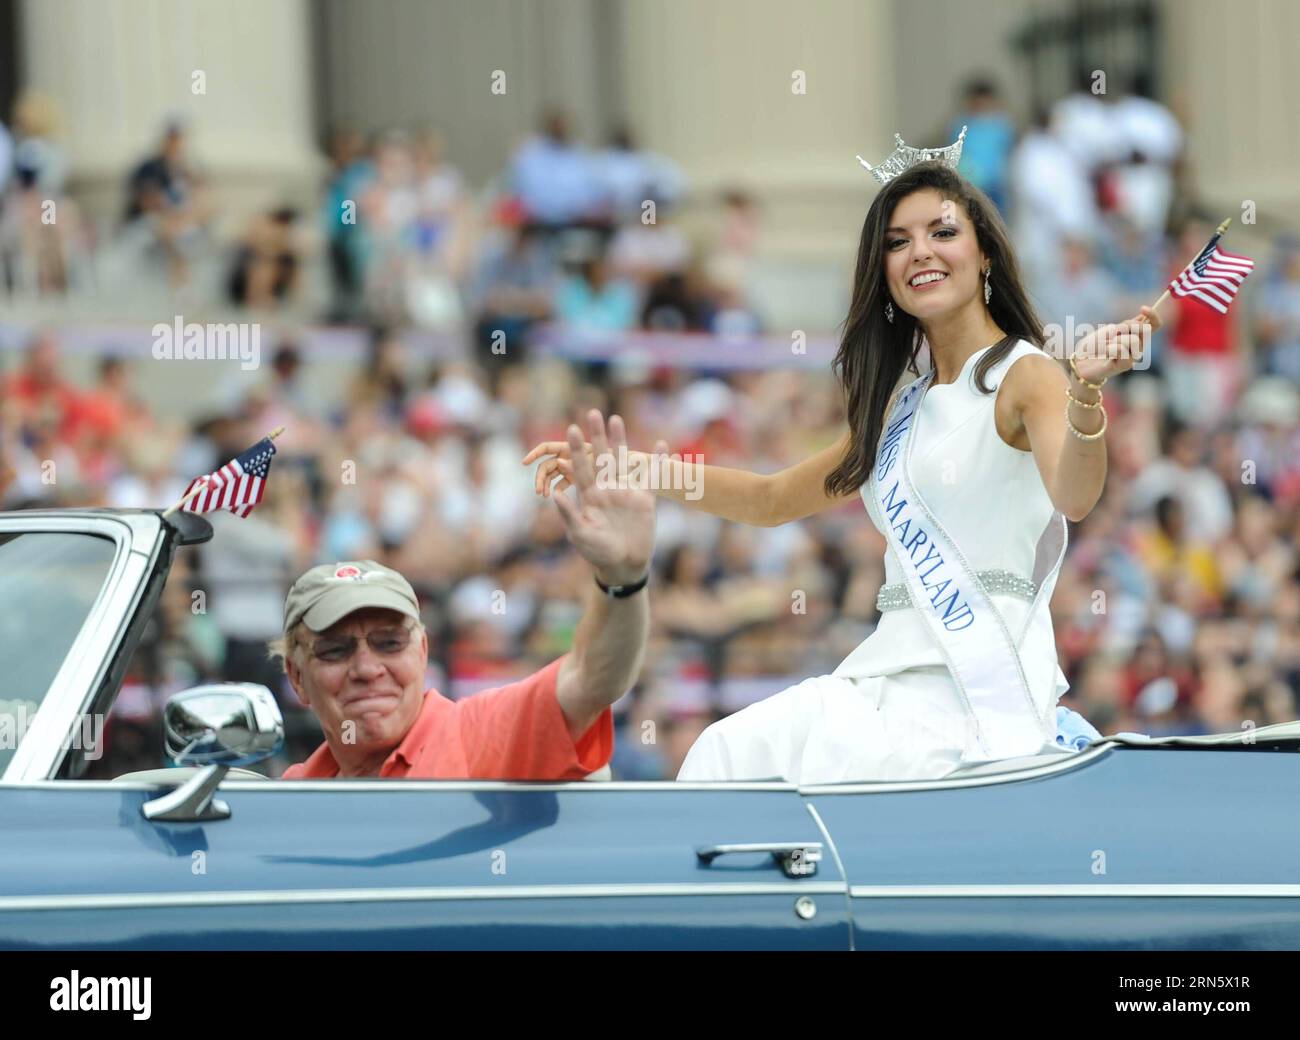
348,572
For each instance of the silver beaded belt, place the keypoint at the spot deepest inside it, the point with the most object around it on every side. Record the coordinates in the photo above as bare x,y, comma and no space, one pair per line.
896,596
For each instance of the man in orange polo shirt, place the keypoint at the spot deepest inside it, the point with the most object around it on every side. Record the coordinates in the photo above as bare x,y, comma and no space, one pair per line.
355,653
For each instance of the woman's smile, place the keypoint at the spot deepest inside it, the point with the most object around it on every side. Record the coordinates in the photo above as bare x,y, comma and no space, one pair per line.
927,280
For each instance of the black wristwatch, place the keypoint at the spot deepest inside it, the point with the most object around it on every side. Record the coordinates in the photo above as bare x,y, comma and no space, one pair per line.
623,591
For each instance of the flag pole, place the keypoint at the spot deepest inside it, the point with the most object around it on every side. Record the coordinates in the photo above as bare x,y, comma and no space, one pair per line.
1155,306
1218,233
199,487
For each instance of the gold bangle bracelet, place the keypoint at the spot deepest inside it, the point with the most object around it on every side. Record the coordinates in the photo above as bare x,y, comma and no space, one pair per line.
1091,386
1084,404
1079,433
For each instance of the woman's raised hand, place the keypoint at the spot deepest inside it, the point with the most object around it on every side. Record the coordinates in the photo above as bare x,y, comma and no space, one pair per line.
555,473
557,461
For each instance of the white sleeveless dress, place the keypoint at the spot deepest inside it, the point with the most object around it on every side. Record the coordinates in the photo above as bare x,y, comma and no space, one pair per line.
891,710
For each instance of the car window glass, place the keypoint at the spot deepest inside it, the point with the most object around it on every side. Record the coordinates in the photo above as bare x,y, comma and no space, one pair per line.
182,645
48,583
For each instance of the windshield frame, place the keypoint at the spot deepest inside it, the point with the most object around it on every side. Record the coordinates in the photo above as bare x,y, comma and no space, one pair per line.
136,542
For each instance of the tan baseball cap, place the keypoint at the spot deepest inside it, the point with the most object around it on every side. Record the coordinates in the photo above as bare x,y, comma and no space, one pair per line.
330,591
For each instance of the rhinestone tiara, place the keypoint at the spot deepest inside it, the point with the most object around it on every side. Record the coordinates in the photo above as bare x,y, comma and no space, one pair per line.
904,157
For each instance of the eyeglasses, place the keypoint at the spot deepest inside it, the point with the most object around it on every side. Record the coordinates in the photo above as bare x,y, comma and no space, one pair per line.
386,642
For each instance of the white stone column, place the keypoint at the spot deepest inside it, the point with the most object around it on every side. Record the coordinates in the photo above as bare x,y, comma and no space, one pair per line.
711,85
1235,82
118,68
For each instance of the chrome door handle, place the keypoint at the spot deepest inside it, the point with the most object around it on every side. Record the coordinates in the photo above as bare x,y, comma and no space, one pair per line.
796,858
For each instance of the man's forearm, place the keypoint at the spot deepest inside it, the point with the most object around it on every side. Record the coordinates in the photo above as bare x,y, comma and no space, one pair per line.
609,645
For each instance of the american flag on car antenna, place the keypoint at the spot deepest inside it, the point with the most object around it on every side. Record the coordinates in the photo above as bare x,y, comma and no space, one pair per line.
237,486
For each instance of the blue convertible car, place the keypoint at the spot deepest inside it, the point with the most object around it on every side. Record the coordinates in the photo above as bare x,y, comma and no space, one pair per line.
1163,844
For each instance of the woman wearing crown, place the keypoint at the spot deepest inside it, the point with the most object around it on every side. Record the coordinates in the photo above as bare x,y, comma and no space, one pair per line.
969,471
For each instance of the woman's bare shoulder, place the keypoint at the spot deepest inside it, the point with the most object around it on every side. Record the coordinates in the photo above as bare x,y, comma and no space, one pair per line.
1023,381
1027,386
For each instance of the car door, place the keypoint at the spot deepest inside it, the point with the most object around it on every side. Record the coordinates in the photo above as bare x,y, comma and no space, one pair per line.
1114,848
371,864
393,864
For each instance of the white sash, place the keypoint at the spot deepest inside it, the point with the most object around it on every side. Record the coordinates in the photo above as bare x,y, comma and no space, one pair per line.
972,635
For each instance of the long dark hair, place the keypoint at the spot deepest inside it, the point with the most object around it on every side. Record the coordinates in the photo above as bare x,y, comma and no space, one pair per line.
874,352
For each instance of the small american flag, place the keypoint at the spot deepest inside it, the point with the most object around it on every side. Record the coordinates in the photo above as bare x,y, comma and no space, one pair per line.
237,485
1214,276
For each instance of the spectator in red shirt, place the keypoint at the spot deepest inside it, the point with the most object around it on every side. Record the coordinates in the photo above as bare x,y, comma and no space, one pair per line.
1201,369
355,653
105,406
38,389
1152,683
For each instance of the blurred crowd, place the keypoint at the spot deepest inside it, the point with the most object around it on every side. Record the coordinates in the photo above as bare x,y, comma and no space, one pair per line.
1178,607
564,232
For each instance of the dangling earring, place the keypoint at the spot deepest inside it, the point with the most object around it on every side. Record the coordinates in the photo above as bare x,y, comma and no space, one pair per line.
988,289
889,311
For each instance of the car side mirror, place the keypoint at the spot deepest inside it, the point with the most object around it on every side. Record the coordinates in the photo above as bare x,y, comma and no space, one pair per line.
216,726
229,724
